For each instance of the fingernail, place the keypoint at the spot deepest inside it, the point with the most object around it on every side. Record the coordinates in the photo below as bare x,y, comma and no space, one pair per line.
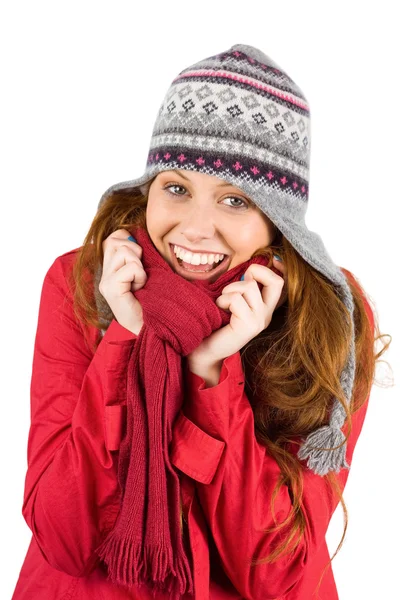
242,278
277,257
131,238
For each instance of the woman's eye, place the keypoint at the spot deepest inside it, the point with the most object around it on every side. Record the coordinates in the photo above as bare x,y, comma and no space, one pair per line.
243,205
168,187
172,185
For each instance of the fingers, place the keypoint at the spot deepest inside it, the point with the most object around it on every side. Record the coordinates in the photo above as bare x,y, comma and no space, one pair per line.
122,255
118,251
271,291
239,307
249,292
119,238
281,267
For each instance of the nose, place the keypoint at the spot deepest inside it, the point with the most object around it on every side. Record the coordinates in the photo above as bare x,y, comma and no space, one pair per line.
197,225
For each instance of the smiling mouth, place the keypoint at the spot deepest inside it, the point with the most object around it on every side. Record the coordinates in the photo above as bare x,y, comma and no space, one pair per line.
199,271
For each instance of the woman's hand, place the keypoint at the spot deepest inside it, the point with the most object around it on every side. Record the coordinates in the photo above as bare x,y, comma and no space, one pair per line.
251,313
123,274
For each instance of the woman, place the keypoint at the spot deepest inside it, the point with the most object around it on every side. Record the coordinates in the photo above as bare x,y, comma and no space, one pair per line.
202,368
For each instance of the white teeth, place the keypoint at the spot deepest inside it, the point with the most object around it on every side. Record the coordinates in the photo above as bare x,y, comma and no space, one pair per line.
197,258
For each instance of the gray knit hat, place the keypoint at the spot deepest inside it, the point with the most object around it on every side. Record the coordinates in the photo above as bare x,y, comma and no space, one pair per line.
238,116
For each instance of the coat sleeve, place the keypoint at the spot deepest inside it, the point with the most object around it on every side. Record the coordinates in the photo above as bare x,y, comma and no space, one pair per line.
71,495
214,443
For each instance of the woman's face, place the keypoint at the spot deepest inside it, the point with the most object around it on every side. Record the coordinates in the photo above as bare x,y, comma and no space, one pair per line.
206,215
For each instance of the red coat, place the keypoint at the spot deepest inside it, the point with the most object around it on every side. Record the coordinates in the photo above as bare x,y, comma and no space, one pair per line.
71,496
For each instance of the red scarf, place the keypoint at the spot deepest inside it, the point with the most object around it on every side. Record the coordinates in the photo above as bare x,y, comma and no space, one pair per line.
145,545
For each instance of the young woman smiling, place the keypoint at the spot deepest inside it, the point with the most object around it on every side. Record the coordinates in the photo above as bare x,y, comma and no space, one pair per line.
202,368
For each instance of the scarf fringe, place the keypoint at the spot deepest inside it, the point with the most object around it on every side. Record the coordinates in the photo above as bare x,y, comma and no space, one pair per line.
151,565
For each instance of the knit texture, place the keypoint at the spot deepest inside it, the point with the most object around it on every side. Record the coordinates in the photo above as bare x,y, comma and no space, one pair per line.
146,543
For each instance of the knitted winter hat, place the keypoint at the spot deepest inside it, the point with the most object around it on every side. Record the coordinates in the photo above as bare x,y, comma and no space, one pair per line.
238,116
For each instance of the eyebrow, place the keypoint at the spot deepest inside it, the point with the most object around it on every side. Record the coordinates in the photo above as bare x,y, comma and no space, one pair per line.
223,183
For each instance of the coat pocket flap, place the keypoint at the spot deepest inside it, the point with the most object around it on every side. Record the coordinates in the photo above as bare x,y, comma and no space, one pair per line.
115,420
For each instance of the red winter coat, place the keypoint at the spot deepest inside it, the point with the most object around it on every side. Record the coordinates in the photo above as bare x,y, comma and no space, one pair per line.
71,496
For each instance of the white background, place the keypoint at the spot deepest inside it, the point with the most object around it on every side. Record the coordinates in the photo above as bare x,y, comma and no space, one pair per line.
81,85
